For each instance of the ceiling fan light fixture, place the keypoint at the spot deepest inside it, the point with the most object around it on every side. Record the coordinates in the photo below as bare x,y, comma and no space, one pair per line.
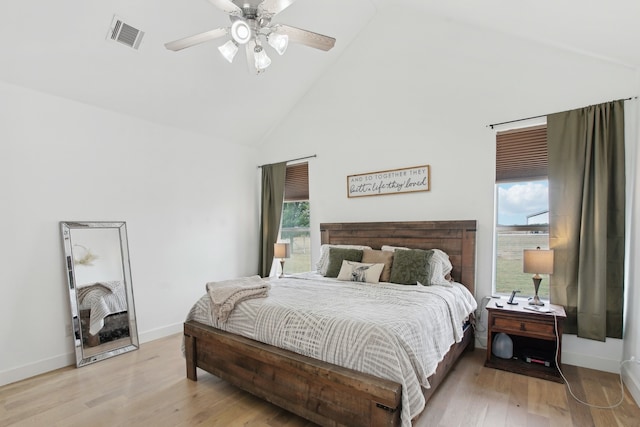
240,31
229,50
262,61
279,42
251,28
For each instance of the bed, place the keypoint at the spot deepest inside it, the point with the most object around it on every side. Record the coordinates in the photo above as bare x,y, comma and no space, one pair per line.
351,392
103,309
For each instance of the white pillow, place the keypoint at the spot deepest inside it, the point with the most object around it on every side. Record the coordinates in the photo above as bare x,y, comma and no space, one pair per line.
360,272
323,262
440,268
393,248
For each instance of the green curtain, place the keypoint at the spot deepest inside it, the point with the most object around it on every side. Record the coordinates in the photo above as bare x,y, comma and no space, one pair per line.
273,181
586,217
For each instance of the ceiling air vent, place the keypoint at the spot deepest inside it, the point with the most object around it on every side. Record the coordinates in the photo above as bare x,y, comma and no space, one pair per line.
125,33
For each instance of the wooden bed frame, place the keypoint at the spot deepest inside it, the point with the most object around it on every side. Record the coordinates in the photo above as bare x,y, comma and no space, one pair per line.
327,394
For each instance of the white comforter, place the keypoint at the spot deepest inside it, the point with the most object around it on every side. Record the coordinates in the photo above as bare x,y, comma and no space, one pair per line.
396,332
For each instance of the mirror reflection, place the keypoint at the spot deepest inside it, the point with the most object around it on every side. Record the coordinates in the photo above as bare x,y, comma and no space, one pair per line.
100,289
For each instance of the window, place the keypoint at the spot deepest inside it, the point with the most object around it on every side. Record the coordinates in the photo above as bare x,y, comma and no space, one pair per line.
522,206
294,226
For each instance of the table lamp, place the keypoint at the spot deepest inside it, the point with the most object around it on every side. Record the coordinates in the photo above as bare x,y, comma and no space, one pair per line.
537,261
282,251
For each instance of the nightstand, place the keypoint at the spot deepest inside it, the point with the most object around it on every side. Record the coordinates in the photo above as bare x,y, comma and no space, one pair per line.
534,338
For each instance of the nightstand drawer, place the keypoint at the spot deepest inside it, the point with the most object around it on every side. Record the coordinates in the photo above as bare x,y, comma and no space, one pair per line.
516,325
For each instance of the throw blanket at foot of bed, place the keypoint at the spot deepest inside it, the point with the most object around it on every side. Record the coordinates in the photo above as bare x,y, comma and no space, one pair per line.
225,295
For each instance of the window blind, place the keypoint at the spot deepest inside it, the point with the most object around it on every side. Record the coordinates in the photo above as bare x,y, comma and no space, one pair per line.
521,154
296,186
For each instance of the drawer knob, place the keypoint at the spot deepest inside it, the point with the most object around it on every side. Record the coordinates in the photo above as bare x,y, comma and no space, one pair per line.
522,326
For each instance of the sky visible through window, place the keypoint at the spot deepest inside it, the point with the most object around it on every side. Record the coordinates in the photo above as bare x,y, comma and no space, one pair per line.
518,200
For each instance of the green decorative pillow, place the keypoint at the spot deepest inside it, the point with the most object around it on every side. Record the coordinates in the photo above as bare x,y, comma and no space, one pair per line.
337,255
411,266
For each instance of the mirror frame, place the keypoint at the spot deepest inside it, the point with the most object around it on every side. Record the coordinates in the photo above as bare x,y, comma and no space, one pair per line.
66,228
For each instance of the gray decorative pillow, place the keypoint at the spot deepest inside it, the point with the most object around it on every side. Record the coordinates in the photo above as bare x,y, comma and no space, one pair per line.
337,255
411,266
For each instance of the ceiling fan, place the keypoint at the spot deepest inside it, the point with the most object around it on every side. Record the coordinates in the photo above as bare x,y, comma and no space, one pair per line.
251,26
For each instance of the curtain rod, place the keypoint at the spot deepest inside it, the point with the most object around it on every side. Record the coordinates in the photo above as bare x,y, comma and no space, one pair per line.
292,160
542,115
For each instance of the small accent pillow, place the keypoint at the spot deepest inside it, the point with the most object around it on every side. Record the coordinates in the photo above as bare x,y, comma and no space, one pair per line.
323,262
376,257
360,272
337,255
411,266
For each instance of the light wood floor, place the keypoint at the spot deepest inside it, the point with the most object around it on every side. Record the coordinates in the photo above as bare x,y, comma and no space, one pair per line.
148,387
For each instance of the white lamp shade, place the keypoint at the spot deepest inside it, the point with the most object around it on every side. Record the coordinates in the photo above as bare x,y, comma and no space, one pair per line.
262,61
279,42
537,261
281,250
229,50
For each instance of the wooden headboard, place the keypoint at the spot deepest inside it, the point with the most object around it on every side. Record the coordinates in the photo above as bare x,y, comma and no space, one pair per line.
456,238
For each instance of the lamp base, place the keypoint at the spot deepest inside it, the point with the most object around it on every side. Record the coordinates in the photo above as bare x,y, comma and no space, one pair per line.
536,301
536,285
281,268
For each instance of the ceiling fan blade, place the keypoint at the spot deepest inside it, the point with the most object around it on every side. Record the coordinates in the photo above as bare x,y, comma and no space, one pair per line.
196,39
271,7
307,38
227,6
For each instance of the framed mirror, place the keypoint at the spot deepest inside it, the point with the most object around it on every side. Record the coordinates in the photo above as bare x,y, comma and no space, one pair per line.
100,290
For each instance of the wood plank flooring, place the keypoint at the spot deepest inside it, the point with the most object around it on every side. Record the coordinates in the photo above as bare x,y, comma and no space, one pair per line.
148,387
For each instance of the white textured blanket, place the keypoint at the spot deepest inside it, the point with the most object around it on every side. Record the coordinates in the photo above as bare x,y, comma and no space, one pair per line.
103,299
396,332
225,295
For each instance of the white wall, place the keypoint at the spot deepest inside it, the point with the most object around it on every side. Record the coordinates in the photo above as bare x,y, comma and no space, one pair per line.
429,101
104,245
189,202
631,349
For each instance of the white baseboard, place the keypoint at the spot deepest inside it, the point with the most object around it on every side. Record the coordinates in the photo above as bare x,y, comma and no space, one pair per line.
632,382
42,366
481,341
158,333
36,368
592,362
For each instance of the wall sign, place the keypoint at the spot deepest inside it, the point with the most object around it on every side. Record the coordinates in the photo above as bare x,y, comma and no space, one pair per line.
395,181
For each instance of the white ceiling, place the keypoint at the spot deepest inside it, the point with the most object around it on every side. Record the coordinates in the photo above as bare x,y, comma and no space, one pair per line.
60,47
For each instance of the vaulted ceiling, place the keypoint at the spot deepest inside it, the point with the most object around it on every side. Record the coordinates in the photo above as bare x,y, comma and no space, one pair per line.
61,48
